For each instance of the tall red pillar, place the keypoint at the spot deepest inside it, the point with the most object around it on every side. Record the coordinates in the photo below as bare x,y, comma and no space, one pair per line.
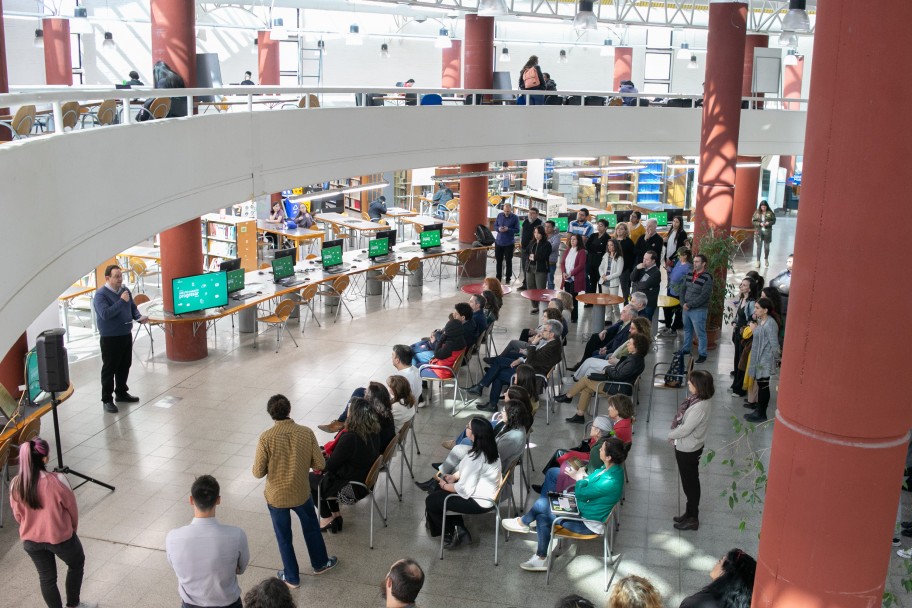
268,59
623,65
834,477
451,68
12,366
721,117
792,82
747,178
479,74
58,63
174,42
5,134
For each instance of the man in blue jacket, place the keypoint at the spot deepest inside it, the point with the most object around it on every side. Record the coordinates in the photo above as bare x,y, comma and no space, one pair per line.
115,313
506,227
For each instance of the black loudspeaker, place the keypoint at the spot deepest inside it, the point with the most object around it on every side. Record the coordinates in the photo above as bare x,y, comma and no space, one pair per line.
53,367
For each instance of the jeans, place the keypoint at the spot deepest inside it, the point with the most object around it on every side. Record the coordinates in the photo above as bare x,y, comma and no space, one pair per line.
761,242
116,358
43,555
536,100
316,548
542,515
689,470
503,254
358,392
497,375
695,320
552,267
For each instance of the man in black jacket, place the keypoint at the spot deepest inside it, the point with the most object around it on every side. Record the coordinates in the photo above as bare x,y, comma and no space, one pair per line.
525,237
609,338
651,241
647,277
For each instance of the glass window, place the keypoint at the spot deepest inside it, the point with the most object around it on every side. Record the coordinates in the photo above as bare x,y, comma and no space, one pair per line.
658,66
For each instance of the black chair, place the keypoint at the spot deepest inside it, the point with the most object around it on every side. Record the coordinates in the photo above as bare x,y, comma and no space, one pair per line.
573,100
554,100
593,100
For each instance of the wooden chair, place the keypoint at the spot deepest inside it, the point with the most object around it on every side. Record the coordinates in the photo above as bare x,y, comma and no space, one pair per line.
264,266
459,263
387,278
335,290
452,206
279,320
140,299
5,449
411,267
370,482
408,427
454,380
495,200
139,271
159,108
658,381
22,122
388,454
104,114
307,296
609,526
314,101
70,113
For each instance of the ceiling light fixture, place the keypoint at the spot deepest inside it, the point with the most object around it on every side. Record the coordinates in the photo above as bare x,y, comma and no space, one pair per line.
585,19
79,24
505,55
692,64
354,36
492,8
562,58
684,51
796,19
384,51
443,39
278,31
607,47
108,43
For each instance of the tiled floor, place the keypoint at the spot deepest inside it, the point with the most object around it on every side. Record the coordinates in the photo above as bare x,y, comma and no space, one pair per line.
204,417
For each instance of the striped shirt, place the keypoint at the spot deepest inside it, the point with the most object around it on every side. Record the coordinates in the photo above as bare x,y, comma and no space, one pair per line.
285,454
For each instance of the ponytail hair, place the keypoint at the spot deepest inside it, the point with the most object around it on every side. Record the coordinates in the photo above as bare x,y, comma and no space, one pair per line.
31,465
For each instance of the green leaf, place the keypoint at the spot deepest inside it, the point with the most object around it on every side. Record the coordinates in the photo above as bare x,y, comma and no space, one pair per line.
731,502
744,494
742,525
710,455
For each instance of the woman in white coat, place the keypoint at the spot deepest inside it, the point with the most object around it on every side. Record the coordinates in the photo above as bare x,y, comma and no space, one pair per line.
610,272
688,434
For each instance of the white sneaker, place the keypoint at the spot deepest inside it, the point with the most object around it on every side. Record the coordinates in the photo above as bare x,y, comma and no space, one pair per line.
767,263
515,525
535,564
905,553
757,264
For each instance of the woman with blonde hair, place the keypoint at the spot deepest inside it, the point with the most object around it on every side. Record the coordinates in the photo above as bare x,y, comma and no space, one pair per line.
634,592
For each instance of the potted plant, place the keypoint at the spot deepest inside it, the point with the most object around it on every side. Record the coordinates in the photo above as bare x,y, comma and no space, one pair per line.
719,247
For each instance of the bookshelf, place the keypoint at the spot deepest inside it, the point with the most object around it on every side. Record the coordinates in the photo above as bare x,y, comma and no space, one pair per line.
225,237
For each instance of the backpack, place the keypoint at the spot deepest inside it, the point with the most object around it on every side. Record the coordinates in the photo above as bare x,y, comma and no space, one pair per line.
484,236
675,374
530,78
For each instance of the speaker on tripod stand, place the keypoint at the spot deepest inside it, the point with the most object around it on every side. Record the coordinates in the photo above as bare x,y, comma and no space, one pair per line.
53,367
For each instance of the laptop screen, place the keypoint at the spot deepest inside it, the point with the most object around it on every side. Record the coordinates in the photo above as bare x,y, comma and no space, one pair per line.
562,223
332,256
377,248
282,268
608,217
236,280
430,238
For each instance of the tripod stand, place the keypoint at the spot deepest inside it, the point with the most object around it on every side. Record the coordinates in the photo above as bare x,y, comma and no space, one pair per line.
61,468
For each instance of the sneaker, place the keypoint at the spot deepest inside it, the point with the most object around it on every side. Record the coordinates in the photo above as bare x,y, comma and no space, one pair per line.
757,264
515,525
535,564
449,444
758,417
333,560
563,399
126,398
281,576
576,419
905,553
701,359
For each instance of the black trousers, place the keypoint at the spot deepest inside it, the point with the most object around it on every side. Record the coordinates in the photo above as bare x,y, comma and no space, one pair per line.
689,470
45,555
763,395
593,344
503,254
592,279
116,358
433,510
625,285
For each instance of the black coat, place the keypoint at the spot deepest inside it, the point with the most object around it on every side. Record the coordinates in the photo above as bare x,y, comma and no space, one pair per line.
595,249
648,281
627,370
542,251
629,255
643,245
525,236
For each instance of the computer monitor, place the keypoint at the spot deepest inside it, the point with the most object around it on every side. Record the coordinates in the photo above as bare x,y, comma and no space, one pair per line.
282,268
430,236
387,234
562,223
229,265
608,217
286,253
377,248
332,253
198,292
31,378
623,216
660,217
235,279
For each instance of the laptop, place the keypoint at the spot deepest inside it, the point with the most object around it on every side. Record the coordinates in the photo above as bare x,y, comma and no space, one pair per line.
378,250
332,257
283,272
430,238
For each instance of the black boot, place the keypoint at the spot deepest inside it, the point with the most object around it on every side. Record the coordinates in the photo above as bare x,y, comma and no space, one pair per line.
459,536
759,415
428,485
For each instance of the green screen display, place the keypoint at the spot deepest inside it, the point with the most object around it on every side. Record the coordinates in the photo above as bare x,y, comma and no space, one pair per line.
282,268
31,375
236,280
562,223
199,291
332,256
377,247
430,238
611,218
660,218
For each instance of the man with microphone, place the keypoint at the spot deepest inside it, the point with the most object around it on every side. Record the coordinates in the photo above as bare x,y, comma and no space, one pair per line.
115,312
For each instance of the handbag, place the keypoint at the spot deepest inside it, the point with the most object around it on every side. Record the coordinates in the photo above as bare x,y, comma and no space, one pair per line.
347,495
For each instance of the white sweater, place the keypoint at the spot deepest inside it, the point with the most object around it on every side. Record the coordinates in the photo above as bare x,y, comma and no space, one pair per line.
613,272
478,479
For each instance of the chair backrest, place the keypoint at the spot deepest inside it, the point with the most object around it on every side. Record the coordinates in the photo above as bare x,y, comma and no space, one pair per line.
413,264
494,200
314,101
70,114
265,265
107,112
340,284
371,480
402,435
222,107
464,255
391,270
29,431
365,215
160,107
5,451
452,204
390,450
284,309
310,256
138,266
141,298
23,120
309,292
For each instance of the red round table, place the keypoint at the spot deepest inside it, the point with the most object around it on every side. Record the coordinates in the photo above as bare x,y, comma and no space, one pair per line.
599,301
475,289
538,295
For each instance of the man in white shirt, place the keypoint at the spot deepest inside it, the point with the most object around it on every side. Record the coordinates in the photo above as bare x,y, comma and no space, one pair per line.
207,556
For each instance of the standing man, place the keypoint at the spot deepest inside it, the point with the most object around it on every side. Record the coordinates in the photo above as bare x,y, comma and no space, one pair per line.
596,245
115,313
647,277
532,220
695,295
506,226
403,584
207,556
284,455
650,241
554,238
581,225
247,79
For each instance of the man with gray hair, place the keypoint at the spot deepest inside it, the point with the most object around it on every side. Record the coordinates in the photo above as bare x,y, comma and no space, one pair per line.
543,353
651,241
606,341
639,301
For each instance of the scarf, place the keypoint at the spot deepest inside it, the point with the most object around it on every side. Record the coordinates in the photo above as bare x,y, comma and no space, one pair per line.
682,409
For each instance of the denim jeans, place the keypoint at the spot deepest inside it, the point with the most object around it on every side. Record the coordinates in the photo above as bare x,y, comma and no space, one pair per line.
45,555
316,548
695,320
541,514
497,375
552,267
358,392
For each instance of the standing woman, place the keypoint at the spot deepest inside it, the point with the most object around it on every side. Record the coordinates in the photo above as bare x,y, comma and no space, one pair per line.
763,221
537,253
610,272
676,237
688,433
622,236
45,507
532,79
744,312
676,277
573,267
763,356
596,246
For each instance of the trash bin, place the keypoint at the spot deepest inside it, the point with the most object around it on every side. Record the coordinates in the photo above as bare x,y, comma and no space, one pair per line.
372,286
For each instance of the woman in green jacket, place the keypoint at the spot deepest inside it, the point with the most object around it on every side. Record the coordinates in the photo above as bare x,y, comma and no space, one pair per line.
596,495
763,221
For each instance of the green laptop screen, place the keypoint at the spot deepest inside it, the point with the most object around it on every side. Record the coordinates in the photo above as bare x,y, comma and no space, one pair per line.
236,280
660,218
562,223
282,268
611,218
332,256
199,292
377,247
430,238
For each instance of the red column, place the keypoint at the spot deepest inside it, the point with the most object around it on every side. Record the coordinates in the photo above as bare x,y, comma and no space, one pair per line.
451,69
479,74
268,56
834,477
747,179
5,134
623,65
174,42
58,63
721,117
12,366
791,84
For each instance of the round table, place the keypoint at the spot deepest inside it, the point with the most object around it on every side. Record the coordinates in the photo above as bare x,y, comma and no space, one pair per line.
475,289
599,301
538,295
665,302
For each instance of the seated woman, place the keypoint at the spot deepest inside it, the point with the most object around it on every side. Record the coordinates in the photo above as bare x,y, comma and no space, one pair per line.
446,350
351,460
474,484
627,370
732,583
596,495
379,397
510,435
402,398
516,391
596,362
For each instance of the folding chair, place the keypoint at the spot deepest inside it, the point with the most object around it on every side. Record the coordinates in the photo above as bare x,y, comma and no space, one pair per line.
22,122
307,296
386,278
609,526
335,290
401,439
279,320
370,482
411,267
658,381
600,390
457,365
462,259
